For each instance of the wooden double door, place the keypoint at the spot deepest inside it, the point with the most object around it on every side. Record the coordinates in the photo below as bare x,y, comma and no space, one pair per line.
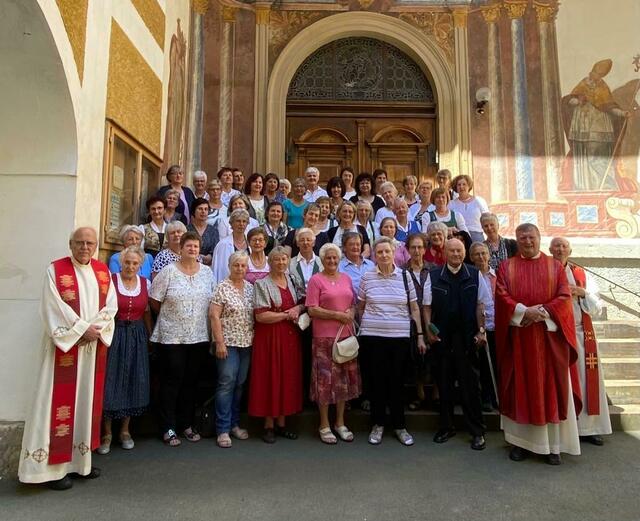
398,138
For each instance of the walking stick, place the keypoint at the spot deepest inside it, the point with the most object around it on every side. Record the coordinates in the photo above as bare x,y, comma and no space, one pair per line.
493,376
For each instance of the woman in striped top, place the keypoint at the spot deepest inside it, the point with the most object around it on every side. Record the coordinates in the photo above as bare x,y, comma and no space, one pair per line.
385,316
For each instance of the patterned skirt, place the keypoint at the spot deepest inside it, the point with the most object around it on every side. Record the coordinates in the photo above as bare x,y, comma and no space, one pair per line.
331,382
126,387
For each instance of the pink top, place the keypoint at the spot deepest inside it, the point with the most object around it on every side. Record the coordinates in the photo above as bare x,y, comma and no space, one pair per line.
332,295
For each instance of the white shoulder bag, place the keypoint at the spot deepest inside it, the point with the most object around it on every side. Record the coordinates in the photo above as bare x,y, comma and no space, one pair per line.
344,350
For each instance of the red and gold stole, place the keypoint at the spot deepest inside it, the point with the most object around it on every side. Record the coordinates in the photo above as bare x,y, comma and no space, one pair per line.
590,351
63,400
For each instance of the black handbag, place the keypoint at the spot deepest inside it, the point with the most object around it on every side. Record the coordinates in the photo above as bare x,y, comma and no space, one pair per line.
413,327
206,419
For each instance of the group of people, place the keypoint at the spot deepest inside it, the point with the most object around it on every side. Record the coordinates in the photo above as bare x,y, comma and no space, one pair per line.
276,280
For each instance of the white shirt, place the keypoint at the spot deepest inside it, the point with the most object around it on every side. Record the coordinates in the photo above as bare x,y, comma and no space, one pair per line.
382,213
484,292
306,267
311,197
471,210
225,197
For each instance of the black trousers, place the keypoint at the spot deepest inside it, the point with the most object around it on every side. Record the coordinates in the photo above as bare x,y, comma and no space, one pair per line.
459,361
488,392
179,368
387,359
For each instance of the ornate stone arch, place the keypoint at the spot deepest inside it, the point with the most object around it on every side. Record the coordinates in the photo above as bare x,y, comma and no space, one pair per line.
270,140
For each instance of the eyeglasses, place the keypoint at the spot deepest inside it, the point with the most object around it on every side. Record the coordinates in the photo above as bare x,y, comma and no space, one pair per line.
85,243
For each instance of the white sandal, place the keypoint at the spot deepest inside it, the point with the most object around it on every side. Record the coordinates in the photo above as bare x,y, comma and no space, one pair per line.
344,433
326,436
224,441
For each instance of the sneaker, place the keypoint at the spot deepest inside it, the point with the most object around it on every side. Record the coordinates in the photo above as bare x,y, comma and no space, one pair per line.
375,436
105,445
404,437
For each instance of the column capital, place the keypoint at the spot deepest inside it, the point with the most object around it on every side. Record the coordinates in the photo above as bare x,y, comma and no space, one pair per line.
491,13
515,8
263,12
545,12
229,13
200,6
460,16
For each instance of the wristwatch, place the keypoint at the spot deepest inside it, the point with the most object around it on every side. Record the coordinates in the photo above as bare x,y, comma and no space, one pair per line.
482,330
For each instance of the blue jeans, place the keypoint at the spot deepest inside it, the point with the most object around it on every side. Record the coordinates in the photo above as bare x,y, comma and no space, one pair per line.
232,373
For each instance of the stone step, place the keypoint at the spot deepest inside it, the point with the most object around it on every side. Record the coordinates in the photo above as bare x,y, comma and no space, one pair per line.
617,329
623,392
619,347
627,368
625,417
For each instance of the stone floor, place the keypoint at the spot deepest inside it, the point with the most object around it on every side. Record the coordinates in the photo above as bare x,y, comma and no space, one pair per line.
305,480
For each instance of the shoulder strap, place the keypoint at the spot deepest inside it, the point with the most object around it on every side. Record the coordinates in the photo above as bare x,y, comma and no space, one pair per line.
406,288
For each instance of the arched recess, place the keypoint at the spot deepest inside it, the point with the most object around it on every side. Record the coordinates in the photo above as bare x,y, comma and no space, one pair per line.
39,151
420,47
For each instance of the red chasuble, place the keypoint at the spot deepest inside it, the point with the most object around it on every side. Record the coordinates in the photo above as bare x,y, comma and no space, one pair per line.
534,363
63,399
592,379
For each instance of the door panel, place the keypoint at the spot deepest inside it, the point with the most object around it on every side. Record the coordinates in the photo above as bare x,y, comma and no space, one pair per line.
365,141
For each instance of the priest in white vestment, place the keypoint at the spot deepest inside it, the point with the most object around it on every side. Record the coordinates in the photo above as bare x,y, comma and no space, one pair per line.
585,299
89,285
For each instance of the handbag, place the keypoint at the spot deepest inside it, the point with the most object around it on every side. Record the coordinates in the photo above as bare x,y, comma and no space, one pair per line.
413,327
304,321
346,349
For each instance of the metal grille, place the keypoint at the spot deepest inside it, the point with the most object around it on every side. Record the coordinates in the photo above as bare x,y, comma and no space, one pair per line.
360,69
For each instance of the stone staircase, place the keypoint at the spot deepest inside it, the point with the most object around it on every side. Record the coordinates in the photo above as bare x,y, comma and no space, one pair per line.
619,345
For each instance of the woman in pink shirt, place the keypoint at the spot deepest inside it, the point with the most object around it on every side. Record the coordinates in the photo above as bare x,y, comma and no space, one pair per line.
330,303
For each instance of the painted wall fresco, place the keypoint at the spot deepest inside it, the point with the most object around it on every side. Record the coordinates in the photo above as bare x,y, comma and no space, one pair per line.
559,143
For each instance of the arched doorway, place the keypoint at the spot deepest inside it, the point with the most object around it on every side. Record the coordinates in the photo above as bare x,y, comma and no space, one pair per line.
361,102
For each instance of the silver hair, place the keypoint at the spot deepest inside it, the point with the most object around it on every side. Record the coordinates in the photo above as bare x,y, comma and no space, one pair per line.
128,228
384,240
239,213
175,225
200,174
364,204
488,216
302,231
237,255
311,170
172,191
476,245
285,182
326,248
437,226
136,250
277,251
73,233
298,181
388,184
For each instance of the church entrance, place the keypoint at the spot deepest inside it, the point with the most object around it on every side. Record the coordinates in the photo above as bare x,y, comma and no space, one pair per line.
363,103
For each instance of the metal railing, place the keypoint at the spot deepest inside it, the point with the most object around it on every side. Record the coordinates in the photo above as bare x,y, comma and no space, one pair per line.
612,299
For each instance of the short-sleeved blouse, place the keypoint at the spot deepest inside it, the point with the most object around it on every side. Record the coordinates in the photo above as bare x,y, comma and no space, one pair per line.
237,313
183,317
164,258
334,295
294,213
386,313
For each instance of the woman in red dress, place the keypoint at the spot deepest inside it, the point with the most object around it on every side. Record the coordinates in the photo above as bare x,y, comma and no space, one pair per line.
276,377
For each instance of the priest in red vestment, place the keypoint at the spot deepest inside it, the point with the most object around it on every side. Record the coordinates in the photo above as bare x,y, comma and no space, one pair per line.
536,352
78,307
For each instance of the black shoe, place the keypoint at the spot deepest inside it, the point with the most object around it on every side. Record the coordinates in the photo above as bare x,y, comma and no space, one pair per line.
554,459
443,435
487,407
594,440
478,443
60,484
269,436
518,454
95,473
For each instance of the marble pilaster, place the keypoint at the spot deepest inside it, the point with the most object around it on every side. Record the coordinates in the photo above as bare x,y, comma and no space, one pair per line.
523,161
225,135
463,97
497,143
261,85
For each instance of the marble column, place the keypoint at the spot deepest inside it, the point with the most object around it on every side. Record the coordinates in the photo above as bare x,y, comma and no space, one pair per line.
551,109
497,143
524,165
262,11
227,51
196,87
463,98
